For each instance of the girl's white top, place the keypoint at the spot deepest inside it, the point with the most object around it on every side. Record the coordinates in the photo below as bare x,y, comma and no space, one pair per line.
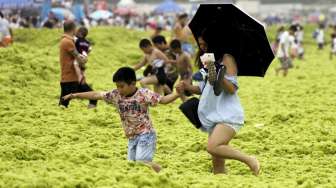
225,108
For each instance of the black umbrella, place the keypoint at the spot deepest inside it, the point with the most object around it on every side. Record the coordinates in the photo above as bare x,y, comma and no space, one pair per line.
227,29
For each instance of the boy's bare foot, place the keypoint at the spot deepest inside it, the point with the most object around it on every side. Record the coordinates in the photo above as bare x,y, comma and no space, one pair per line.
225,171
254,165
156,167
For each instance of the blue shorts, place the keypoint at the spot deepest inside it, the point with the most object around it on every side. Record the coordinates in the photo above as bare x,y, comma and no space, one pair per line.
142,147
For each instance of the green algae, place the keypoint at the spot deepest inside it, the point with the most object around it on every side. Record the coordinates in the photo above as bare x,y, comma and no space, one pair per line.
289,123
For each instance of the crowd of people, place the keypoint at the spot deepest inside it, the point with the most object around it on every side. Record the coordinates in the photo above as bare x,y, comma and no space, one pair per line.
289,44
139,22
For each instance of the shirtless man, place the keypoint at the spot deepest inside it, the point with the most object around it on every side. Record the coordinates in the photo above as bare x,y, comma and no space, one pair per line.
157,60
181,32
184,67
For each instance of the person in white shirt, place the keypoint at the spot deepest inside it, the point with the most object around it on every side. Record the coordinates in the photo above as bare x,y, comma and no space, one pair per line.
5,32
333,45
286,44
320,37
299,37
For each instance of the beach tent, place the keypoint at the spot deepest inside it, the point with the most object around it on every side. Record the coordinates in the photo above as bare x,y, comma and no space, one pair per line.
16,4
126,3
168,6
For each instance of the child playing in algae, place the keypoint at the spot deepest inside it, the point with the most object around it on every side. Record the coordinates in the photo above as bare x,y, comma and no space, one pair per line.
132,104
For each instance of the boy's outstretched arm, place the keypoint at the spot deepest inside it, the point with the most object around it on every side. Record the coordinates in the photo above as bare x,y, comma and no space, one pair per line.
169,98
91,95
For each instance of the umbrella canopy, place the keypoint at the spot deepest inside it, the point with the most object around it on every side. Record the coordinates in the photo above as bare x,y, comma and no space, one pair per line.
16,3
62,13
125,11
78,11
126,3
46,7
168,6
227,29
101,14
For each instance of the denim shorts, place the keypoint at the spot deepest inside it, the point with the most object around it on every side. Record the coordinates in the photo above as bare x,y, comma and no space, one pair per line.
142,147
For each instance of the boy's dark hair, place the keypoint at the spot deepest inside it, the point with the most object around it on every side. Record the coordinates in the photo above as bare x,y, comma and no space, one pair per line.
175,44
159,40
69,26
1,15
145,43
124,74
83,31
293,28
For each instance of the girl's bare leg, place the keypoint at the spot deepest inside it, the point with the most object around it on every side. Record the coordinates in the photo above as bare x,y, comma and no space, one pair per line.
218,164
218,146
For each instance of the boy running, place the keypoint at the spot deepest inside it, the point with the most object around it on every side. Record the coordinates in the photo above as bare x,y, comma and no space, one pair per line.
132,104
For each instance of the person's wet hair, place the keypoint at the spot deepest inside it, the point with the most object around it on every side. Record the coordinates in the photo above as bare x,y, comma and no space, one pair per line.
1,15
333,35
144,43
159,39
83,31
124,74
175,44
69,26
281,28
182,16
293,28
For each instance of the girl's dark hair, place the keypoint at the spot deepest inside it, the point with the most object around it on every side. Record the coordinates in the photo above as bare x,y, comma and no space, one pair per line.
198,62
204,35
124,74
